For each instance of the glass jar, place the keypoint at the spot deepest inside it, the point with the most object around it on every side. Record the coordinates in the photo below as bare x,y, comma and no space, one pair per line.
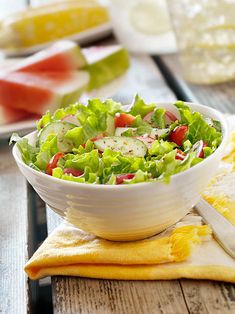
205,33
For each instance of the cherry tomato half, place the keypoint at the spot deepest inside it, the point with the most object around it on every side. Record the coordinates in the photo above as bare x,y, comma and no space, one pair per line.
123,120
73,172
121,177
178,134
53,162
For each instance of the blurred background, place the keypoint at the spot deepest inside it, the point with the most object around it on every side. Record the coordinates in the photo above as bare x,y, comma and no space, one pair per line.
199,34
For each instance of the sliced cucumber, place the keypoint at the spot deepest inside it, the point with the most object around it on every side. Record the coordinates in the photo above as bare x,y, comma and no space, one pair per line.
126,145
59,129
119,131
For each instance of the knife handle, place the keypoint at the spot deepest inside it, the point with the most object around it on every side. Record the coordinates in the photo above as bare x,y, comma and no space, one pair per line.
223,230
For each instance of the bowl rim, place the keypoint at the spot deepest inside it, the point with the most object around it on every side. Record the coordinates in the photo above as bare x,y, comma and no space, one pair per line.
209,112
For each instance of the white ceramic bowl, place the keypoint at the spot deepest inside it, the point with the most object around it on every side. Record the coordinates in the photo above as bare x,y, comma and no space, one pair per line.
127,212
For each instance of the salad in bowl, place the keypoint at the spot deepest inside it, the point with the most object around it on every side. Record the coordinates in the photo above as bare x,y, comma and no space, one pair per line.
102,143
123,173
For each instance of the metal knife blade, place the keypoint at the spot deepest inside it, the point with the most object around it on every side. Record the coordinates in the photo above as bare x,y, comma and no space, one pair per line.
223,230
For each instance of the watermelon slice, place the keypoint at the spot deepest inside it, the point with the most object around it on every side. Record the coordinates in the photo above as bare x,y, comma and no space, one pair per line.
105,63
41,91
10,115
63,56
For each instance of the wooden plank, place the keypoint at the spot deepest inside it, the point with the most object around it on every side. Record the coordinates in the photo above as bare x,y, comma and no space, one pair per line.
89,296
209,297
219,96
105,296
14,296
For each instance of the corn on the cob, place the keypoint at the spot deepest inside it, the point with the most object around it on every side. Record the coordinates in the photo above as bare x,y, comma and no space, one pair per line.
50,22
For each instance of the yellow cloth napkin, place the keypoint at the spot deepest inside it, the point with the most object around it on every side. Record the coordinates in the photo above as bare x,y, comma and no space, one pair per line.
184,250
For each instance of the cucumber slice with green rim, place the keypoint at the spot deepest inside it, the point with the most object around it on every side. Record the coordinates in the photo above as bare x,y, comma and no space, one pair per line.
60,129
126,145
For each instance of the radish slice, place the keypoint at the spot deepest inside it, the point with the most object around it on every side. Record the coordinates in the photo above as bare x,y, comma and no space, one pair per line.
198,148
147,140
180,155
170,117
71,118
148,116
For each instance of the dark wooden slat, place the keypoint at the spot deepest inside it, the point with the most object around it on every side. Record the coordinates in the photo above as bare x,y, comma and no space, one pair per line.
219,96
14,295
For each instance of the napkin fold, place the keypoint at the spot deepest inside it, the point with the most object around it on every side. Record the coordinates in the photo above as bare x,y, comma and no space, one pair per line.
185,250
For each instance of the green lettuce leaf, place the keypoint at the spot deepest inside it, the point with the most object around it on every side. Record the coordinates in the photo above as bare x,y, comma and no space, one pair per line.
158,118
28,152
168,165
79,162
140,107
139,177
47,150
141,126
198,128
76,136
160,148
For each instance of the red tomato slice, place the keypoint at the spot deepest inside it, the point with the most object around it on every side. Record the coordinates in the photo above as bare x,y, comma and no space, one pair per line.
123,120
53,163
73,172
121,177
180,155
178,134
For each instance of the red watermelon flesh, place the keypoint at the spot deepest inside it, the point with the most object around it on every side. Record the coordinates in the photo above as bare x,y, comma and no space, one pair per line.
38,92
10,115
61,57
